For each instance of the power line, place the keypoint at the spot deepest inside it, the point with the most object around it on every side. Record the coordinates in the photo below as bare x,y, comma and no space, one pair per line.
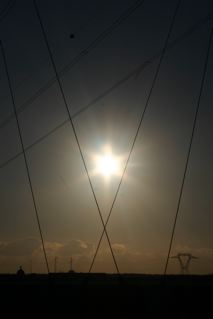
127,77
39,140
102,97
76,32
7,9
102,36
189,149
106,33
24,154
139,125
73,127
138,70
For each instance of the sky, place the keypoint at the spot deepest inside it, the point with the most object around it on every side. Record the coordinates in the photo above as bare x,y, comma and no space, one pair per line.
106,98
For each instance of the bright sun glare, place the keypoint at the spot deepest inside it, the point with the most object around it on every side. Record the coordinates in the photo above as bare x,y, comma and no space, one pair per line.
107,165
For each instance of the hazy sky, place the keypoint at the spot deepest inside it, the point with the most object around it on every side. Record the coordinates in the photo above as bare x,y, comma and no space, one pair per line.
141,222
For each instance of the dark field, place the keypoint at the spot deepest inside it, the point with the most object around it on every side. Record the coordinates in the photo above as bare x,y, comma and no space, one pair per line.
107,296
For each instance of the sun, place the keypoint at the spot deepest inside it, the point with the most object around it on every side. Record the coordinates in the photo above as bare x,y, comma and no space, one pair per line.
107,165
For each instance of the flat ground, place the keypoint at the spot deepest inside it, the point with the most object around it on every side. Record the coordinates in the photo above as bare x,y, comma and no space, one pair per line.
107,296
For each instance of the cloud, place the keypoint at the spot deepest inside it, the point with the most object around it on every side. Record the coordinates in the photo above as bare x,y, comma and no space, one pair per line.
202,252
28,252
32,246
76,248
119,249
19,247
129,259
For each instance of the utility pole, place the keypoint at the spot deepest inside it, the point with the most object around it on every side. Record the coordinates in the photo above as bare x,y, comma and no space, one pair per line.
55,264
71,264
31,266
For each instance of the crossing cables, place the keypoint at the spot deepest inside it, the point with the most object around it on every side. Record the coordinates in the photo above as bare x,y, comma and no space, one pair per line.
24,155
73,128
130,75
189,149
138,70
139,125
7,9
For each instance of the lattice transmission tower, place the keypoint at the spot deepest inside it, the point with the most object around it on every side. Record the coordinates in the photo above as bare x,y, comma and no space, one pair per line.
184,261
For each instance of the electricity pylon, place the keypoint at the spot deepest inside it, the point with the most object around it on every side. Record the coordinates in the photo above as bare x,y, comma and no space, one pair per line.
184,261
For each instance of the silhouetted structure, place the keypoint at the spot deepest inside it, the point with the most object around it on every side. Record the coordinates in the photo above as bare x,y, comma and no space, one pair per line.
31,266
20,272
71,266
55,264
184,261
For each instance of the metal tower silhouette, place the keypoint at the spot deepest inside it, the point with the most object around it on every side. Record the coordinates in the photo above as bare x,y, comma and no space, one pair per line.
55,264
71,265
184,261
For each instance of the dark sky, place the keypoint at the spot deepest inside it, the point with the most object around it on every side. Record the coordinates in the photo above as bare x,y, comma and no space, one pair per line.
96,81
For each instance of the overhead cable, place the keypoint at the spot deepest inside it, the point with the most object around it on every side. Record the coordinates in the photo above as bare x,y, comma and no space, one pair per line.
189,149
